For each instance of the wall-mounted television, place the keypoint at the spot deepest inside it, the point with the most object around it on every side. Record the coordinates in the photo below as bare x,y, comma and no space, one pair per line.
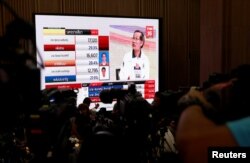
95,53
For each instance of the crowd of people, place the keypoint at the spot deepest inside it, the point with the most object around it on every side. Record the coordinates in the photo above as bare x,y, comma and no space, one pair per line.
134,131
176,127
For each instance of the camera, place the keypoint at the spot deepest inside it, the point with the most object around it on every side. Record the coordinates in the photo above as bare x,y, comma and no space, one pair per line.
123,97
107,96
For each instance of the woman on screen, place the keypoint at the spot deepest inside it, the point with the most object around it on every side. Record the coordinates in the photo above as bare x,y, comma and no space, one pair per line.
104,59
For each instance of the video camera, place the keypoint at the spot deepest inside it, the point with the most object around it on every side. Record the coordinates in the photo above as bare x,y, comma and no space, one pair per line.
107,96
169,103
122,96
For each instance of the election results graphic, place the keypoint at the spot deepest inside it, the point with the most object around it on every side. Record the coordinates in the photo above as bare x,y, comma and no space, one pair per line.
72,55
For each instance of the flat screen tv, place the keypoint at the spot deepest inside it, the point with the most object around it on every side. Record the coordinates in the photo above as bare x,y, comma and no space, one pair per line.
95,53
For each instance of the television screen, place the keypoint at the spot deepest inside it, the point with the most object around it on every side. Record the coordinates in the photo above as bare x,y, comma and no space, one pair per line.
95,53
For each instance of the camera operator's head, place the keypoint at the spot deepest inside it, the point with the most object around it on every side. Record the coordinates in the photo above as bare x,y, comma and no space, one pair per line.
215,78
230,96
137,114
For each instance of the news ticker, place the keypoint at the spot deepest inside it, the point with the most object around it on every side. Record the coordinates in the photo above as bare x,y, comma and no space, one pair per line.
229,154
92,90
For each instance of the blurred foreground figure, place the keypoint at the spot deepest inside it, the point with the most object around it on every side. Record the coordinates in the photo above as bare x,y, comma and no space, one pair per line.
224,122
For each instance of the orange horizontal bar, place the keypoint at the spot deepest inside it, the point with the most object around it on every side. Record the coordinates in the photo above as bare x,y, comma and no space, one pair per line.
59,63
